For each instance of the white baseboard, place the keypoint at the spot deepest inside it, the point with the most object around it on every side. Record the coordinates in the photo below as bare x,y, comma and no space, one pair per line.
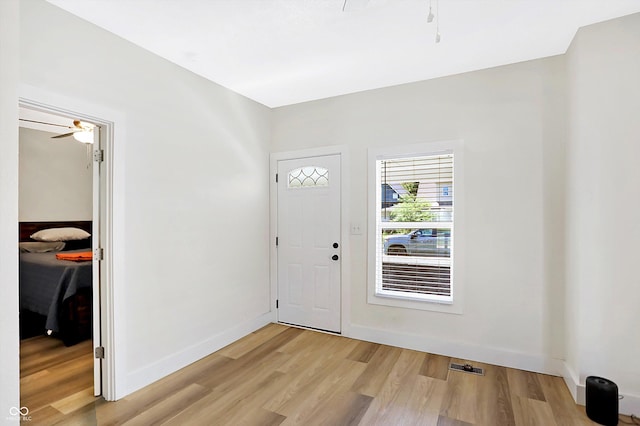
484,354
170,364
573,383
629,404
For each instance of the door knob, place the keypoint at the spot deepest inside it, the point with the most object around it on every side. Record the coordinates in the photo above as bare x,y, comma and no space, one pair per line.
335,257
335,245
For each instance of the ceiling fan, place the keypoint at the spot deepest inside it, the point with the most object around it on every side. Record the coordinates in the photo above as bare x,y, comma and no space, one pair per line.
81,131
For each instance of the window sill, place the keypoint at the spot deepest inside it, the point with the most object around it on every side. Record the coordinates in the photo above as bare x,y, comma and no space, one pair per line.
433,305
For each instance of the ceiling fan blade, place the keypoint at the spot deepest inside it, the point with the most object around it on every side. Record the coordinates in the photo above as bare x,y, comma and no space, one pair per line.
45,123
62,136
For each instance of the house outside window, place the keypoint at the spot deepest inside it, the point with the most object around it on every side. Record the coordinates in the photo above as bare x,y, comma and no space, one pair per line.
412,252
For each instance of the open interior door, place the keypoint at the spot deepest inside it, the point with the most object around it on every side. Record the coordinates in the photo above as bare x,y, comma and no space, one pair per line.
97,260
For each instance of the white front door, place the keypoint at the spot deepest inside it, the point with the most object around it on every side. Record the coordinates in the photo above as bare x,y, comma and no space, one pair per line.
309,246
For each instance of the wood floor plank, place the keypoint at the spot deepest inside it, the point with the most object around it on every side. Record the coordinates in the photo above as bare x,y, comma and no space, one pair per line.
44,352
250,404
460,401
225,377
446,421
229,396
271,345
308,350
50,416
435,366
63,380
363,352
75,401
264,350
38,345
119,412
565,411
85,416
337,381
532,412
145,399
261,417
116,412
309,371
306,340
494,397
261,353
341,409
425,401
394,395
370,382
33,378
241,347
525,384
170,406
46,415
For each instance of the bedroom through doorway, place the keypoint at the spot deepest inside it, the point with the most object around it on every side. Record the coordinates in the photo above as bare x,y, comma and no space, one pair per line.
59,222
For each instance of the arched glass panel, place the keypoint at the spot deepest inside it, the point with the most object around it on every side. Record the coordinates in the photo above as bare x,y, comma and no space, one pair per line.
308,177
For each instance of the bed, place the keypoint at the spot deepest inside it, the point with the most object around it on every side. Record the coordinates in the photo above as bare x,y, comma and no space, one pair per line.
56,295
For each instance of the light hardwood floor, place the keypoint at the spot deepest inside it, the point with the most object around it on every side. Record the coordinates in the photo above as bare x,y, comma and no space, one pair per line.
55,380
284,375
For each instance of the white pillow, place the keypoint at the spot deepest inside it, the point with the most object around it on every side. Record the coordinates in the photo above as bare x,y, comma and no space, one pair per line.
60,234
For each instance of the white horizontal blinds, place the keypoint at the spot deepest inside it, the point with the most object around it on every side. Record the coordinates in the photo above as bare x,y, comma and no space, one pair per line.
415,227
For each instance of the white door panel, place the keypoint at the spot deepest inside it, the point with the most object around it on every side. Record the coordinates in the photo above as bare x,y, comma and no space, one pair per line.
308,228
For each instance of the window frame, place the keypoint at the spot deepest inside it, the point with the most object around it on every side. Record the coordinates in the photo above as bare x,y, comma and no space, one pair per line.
455,305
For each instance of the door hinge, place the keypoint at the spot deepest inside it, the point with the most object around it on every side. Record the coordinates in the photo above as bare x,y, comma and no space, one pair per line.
276,178
277,241
99,352
98,155
277,303
98,254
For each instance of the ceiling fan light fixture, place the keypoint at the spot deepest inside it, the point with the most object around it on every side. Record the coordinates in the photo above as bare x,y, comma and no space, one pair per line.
85,136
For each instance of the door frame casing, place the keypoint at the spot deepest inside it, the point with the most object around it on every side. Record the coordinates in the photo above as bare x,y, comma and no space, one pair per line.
113,381
345,270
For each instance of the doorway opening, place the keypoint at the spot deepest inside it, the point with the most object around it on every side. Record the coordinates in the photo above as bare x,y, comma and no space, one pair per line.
61,222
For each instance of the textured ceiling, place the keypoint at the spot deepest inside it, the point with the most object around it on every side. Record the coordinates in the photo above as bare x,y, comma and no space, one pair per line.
281,52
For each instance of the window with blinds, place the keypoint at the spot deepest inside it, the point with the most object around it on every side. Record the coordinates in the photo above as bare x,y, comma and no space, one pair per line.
414,232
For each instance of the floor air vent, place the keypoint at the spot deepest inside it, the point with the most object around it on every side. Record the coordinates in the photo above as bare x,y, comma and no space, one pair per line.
467,368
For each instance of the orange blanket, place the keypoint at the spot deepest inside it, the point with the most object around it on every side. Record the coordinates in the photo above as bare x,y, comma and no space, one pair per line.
75,257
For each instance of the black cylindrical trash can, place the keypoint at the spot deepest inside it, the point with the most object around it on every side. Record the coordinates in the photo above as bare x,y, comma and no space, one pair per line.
602,401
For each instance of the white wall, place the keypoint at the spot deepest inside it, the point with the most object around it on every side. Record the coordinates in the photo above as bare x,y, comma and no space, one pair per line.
603,284
194,191
507,118
9,360
55,178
